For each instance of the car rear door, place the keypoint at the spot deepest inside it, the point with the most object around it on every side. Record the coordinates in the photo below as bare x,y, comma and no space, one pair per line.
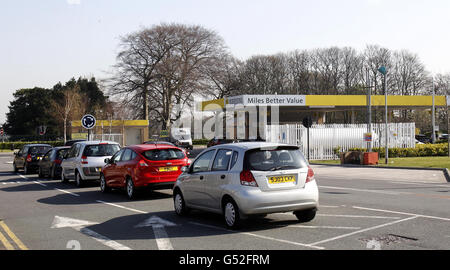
218,177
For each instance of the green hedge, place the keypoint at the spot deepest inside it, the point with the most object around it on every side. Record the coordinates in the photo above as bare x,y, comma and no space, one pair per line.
19,145
421,150
200,142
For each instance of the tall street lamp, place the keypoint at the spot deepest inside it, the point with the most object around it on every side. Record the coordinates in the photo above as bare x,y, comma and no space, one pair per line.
383,71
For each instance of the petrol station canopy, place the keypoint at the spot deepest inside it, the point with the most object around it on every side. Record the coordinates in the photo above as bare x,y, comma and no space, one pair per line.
326,103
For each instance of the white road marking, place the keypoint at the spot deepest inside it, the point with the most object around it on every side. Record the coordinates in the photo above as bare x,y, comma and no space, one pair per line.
158,225
80,226
324,227
68,192
260,236
357,216
367,190
401,213
363,230
123,207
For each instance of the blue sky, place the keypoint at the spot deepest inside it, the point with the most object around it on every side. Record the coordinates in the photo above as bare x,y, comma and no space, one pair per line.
46,41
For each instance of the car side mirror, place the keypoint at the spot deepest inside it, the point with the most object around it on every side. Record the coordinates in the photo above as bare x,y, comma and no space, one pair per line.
16,153
107,160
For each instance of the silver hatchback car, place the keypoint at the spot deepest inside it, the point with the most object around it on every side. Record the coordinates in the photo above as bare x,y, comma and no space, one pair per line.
244,179
85,160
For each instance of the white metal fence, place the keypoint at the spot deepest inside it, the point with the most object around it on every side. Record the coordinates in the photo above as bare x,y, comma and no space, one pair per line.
323,139
108,137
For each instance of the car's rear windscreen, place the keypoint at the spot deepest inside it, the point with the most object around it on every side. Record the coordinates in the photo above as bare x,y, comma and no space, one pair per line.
39,150
272,159
163,154
60,153
100,150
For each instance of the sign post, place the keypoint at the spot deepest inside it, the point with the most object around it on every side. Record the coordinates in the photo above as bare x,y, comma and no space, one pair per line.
88,122
307,123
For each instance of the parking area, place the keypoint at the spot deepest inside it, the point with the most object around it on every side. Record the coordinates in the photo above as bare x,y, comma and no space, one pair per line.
359,209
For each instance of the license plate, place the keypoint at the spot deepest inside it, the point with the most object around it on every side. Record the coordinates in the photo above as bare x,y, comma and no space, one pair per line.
281,179
168,169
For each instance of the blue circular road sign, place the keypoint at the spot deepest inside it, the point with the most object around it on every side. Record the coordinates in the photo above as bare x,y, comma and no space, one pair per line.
88,121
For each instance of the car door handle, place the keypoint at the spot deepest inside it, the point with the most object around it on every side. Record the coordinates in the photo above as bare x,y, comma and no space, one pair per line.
222,176
201,177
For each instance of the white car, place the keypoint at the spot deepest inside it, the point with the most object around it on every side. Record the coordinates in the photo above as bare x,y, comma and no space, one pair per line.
85,160
244,179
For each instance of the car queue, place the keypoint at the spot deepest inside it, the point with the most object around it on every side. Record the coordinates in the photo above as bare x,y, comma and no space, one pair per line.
236,180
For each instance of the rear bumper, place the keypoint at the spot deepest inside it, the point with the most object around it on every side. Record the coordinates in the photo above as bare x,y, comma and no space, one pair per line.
156,182
252,201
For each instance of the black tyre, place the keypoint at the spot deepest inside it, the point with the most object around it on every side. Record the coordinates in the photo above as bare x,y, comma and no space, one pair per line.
231,214
15,168
52,173
130,189
26,170
64,179
305,215
78,180
103,185
179,205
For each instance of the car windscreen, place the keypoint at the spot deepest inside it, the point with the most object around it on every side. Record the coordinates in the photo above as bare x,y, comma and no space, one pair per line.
39,150
272,159
100,150
163,154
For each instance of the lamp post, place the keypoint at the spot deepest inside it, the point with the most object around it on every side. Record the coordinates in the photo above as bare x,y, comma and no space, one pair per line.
383,71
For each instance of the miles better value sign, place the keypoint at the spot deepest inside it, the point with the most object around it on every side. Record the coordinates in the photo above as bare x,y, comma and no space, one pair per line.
267,100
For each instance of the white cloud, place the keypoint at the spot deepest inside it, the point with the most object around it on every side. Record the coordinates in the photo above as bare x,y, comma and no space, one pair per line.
74,2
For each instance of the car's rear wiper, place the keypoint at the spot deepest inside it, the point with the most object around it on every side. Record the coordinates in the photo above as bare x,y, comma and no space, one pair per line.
283,167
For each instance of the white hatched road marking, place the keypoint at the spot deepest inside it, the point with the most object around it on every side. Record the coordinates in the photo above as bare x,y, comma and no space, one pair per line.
363,230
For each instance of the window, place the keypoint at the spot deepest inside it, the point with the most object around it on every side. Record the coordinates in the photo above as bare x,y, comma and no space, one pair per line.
72,151
222,160
201,164
39,150
60,154
164,154
100,150
280,158
234,159
126,156
117,156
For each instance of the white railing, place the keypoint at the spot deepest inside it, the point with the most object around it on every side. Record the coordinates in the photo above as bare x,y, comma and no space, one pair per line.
108,137
325,138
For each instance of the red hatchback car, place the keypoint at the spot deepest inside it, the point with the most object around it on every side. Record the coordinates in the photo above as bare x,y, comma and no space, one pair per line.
154,166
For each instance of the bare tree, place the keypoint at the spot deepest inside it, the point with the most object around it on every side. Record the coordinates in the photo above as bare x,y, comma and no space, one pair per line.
68,107
161,66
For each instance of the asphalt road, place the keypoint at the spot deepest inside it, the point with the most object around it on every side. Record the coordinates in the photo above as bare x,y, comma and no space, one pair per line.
359,209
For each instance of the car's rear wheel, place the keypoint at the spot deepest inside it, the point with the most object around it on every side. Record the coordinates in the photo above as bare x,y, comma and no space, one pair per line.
179,204
130,189
64,179
103,185
306,215
231,214
78,179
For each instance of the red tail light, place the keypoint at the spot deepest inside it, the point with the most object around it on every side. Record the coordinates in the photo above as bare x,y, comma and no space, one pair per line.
310,176
57,161
84,160
29,158
247,179
142,163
